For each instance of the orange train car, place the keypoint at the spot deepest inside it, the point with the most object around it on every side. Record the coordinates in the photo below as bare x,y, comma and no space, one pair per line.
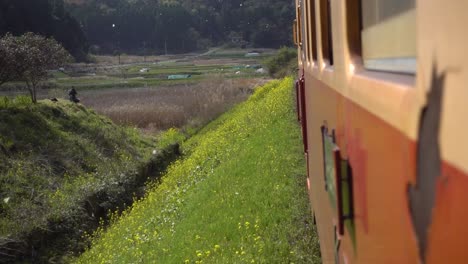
382,100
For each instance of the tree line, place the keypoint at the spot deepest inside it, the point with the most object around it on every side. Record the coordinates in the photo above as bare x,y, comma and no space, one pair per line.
150,26
137,26
48,18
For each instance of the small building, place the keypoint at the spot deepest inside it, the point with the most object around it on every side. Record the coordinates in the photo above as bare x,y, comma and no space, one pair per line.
178,76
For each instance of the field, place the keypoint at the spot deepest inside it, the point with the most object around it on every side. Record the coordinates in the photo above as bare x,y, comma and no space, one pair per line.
160,108
155,70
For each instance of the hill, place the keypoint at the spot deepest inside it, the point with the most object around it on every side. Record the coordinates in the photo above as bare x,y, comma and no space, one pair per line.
62,168
176,26
237,196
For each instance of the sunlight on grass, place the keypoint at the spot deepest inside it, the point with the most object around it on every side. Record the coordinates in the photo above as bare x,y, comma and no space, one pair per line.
239,195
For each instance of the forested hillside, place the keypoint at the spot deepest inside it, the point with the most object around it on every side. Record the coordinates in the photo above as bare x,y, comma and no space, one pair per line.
144,26
136,26
45,17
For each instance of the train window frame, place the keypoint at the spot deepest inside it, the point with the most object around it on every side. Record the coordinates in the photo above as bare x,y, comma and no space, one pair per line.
326,32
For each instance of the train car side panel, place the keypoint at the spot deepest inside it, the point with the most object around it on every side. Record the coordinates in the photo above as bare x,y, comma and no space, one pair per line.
326,101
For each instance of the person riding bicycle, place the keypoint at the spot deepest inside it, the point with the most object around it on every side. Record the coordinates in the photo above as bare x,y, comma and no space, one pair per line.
72,95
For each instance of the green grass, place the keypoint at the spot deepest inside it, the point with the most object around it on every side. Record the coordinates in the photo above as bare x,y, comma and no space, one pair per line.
62,166
238,196
56,144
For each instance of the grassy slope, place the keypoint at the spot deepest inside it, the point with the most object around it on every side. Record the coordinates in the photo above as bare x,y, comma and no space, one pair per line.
59,163
238,197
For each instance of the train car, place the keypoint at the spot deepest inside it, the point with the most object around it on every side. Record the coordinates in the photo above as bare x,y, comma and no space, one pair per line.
382,89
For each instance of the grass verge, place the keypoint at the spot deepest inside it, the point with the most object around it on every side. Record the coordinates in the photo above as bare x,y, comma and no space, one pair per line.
238,196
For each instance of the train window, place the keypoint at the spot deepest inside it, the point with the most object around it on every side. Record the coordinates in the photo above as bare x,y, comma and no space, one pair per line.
346,213
338,177
312,30
295,32
327,40
307,27
299,25
389,35
302,29
354,27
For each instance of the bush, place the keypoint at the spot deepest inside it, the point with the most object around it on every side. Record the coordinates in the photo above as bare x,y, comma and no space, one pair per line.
283,64
170,137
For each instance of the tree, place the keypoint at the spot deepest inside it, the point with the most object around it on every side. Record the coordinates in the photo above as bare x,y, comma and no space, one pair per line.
43,54
182,25
11,54
29,57
6,60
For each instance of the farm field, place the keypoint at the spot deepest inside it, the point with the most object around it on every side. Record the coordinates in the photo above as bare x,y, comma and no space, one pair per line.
155,109
132,71
155,93
237,196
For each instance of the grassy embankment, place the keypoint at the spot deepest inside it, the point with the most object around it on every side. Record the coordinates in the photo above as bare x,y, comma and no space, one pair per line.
238,196
62,167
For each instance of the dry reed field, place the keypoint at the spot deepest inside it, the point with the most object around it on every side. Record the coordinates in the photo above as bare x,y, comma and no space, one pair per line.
158,108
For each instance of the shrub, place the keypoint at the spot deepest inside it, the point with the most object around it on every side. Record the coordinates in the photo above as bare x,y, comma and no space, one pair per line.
170,137
283,64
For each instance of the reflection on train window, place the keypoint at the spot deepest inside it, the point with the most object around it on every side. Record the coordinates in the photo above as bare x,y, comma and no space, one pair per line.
389,35
327,40
312,29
